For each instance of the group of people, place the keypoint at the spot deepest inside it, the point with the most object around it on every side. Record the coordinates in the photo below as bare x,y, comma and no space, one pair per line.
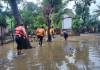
22,38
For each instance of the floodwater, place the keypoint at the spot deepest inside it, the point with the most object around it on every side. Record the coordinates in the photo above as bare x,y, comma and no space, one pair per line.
57,55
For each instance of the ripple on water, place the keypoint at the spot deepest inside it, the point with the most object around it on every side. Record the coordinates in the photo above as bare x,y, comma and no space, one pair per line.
94,58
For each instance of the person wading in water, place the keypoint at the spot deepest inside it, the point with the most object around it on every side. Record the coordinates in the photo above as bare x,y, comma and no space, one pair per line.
40,32
20,34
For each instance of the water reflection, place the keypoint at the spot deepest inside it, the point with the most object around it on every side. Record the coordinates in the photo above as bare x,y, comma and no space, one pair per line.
94,58
62,66
81,65
10,55
70,52
71,59
78,56
1,59
57,55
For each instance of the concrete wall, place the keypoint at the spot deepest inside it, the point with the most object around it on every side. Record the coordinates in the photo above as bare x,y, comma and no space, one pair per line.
66,22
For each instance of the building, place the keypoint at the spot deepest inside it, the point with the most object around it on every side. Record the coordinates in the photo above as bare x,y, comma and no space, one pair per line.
67,24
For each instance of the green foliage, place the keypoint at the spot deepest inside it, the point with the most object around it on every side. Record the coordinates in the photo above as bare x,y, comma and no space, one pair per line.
55,4
32,17
10,22
40,20
77,25
82,11
56,11
2,17
93,21
97,11
56,19
30,7
3,21
27,17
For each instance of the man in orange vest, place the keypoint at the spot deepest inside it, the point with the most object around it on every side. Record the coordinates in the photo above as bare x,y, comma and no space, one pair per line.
40,32
20,35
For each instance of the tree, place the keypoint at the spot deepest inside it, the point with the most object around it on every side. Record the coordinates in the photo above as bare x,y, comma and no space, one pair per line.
94,23
82,11
97,11
50,6
29,6
3,24
15,11
32,16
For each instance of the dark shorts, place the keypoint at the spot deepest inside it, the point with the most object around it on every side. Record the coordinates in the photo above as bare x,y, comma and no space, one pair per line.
40,39
19,41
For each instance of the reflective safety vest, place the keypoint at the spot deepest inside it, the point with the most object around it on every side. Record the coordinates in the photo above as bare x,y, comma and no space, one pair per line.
19,31
40,32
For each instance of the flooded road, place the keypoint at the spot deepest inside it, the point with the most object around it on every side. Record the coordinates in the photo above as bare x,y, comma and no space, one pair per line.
57,55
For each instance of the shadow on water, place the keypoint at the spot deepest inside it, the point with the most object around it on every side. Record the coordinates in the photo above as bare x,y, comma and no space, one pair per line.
57,55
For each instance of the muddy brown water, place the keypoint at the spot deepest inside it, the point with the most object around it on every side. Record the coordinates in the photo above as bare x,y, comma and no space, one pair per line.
57,55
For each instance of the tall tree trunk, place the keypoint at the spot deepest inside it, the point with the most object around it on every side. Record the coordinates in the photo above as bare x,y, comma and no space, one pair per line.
49,24
15,11
47,11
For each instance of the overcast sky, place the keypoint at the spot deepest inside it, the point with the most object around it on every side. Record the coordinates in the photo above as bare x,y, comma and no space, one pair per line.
92,8
35,1
70,5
